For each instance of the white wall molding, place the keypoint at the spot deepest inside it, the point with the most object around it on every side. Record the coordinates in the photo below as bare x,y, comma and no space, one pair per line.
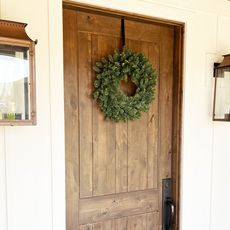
3,182
171,6
57,113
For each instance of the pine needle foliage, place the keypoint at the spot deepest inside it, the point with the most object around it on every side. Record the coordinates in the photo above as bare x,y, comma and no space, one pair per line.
119,66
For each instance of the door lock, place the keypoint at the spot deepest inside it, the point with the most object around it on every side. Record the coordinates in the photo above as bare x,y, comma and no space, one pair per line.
168,207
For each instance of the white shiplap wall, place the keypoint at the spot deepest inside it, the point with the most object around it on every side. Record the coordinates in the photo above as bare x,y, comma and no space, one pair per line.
3,185
32,158
32,189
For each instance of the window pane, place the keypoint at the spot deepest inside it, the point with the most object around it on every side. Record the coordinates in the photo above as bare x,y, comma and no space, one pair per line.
14,83
222,106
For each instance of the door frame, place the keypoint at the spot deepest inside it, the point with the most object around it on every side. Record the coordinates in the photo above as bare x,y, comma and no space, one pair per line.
177,87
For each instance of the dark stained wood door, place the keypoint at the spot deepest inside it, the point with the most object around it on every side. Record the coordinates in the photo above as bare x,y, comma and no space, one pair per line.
114,171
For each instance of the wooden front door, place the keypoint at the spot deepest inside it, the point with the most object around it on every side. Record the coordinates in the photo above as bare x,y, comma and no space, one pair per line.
114,171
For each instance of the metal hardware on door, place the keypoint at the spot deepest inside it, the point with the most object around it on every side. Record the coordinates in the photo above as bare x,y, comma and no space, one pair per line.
168,208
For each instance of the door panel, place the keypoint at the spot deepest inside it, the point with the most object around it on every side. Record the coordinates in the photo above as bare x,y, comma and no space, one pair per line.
139,222
115,170
101,208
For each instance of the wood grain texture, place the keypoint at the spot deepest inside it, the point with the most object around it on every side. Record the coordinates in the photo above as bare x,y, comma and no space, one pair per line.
104,133
165,108
177,119
122,223
85,115
152,220
165,101
143,32
86,227
137,222
121,157
116,206
98,24
98,226
137,154
137,144
153,122
109,224
71,118
115,170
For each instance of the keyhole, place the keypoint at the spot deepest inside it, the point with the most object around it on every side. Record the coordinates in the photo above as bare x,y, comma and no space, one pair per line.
129,88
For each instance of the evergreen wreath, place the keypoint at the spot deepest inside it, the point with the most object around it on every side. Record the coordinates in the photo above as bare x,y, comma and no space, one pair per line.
110,71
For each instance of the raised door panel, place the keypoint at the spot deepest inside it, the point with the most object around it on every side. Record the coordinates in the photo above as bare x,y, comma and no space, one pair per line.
114,157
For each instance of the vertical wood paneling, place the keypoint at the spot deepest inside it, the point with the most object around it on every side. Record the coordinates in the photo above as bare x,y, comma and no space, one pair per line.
137,154
98,226
150,51
86,227
122,223
152,221
109,224
165,107
121,157
137,222
121,151
104,132
145,48
71,118
153,134
85,114
165,103
137,145
177,118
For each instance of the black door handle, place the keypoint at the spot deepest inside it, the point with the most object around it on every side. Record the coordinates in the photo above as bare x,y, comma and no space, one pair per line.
169,211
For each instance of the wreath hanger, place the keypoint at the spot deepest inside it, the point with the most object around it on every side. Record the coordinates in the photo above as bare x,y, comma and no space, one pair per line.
123,31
